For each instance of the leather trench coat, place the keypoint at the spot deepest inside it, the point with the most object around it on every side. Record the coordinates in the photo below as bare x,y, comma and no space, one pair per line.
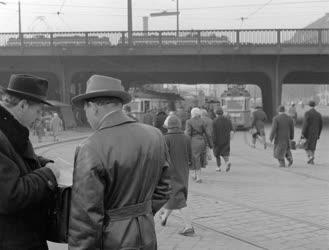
120,180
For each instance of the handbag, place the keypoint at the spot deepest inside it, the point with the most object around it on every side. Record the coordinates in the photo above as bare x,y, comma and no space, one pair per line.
301,143
58,215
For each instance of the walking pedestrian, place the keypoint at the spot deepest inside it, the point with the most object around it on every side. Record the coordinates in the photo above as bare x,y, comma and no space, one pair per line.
56,126
27,181
121,174
282,133
159,121
39,129
258,120
312,127
179,147
209,128
293,113
195,129
222,133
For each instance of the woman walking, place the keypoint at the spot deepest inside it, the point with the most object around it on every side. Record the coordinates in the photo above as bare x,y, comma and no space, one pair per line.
195,129
179,147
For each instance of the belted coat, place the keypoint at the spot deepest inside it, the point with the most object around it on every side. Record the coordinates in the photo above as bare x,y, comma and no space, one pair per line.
312,127
120,180
25,188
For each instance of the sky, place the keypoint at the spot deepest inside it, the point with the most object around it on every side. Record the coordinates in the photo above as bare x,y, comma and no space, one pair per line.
111,15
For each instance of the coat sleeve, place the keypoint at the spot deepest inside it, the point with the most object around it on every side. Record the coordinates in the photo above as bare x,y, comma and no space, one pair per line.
320,126
163,188
305,125
87,201
188,128
292,130
214,133
20,192
274,128
253,120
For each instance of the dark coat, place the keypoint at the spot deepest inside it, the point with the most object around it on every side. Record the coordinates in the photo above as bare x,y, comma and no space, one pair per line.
259,118
179,147
196,129
282,132
120,180
312,127
25,188
222,127
159,121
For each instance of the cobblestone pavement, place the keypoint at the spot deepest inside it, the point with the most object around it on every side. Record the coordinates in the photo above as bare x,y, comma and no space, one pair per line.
256,205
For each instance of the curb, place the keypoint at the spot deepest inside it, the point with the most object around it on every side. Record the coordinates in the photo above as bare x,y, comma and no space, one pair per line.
60,142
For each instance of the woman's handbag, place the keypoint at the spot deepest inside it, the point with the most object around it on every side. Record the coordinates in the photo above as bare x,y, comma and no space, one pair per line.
301,143
58,215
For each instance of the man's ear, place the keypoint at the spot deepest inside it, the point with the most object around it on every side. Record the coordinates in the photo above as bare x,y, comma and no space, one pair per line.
23,104
94,108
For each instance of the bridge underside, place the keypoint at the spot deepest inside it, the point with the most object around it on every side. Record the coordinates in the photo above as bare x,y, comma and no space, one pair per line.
268,72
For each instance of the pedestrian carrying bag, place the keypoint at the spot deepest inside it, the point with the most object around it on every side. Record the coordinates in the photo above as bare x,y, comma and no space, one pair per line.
58,215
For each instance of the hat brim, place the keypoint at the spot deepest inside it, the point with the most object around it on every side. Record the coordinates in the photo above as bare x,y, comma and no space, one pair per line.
79,100
30,97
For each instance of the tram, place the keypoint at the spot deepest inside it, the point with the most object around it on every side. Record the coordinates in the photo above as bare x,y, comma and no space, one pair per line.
236,102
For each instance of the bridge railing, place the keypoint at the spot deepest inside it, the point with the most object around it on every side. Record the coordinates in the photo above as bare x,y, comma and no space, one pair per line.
257,37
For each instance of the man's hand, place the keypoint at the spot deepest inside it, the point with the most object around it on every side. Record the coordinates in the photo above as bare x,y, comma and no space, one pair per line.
55,169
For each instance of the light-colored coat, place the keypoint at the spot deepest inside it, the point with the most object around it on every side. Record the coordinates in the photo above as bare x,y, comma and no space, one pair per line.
120,180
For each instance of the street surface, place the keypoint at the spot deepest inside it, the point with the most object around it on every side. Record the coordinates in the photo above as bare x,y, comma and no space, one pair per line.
256,205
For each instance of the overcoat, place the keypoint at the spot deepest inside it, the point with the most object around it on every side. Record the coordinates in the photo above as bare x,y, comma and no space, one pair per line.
25,186
312,127
259,118
56,125
120,181
222,127
195,129
179,147
282,132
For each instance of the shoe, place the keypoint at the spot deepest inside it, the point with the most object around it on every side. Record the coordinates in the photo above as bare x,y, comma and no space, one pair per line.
198,181
187,231
282,166
290,162
265,146
228,167
193,178
163,220
218,169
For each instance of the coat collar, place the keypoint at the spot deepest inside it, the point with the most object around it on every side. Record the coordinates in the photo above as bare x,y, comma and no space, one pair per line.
114,119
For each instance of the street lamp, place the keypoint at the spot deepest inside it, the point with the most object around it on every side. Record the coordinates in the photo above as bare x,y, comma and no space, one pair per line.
170,13
19,16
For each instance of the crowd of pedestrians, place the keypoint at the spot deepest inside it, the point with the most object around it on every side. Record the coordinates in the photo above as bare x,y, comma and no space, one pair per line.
124,172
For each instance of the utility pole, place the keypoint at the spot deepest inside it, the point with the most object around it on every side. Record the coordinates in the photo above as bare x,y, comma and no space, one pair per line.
130,24
177,11
19,19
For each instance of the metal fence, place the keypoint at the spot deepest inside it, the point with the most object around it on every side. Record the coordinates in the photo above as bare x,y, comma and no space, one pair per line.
268,37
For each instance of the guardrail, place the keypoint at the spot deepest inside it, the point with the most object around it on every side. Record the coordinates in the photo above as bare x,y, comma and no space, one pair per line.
259,37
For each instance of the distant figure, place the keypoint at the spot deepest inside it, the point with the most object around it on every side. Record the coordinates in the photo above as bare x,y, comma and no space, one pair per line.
159,121
148,118
56,126
282,133
39,129
312,127
293,113
127,111
196,130
208,124
179,147
258,120
222,133
183,116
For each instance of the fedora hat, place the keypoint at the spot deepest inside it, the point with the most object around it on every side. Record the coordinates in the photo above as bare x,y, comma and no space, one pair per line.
102,86
28,87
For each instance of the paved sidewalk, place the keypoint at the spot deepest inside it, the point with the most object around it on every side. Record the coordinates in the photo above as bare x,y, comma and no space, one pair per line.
256,205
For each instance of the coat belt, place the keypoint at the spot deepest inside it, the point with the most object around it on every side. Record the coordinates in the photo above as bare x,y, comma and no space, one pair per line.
132,211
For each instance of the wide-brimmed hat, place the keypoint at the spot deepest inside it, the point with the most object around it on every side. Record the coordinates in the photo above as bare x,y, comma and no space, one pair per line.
102,86
28,87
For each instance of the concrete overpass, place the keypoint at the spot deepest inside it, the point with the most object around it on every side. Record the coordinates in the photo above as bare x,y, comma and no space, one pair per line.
267,58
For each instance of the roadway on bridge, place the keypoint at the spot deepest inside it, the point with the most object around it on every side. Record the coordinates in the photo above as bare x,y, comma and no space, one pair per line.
254,206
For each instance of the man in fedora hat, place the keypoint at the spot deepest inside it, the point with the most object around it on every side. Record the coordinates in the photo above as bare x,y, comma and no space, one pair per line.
120,177
312,127
26,180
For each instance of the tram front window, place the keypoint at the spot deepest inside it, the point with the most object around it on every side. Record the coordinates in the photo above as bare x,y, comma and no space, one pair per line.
235,104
